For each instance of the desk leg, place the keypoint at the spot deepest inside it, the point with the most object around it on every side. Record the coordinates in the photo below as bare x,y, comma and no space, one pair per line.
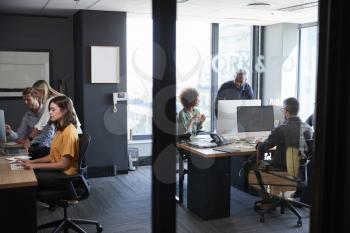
18,206
181,179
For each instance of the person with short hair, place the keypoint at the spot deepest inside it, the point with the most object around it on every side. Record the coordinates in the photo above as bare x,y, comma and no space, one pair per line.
29,119
238,89
292,133
190,120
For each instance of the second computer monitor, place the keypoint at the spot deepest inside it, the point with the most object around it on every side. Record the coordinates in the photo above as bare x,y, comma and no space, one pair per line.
255,119
227,114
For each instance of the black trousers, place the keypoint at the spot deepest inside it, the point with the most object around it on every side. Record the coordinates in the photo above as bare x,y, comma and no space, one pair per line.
48,180
35,151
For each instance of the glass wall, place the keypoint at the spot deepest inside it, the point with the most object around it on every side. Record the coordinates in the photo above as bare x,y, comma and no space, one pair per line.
193,63
234,51
307,70
139,70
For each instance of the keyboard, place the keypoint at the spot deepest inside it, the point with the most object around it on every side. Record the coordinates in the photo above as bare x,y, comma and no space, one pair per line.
16,167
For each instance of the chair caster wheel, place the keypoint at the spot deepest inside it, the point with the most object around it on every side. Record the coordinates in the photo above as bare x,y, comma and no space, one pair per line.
262,219
99,228
299,223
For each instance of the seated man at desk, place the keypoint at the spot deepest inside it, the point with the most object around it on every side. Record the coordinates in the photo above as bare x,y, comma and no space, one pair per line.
29,119
292,133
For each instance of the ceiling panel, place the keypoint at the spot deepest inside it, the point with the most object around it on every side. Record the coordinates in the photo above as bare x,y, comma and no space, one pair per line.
204,10
196,10
118,5
69,4
22,6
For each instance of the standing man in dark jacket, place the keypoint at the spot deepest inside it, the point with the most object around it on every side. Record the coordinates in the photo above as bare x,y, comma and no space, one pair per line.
235,90
292,133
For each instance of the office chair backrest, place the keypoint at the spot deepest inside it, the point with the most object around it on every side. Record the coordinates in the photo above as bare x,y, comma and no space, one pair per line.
293,161
84,141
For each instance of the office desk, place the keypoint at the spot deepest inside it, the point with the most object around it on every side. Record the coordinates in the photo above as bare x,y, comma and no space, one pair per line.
209,187
17,199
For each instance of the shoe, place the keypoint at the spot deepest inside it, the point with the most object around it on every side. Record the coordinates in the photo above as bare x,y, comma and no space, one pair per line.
296,194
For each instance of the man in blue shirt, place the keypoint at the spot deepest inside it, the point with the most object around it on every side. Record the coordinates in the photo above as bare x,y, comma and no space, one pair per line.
29,119
40,145
235,90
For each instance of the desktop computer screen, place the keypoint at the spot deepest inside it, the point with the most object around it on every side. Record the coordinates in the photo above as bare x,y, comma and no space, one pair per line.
227,114
2,127
255,118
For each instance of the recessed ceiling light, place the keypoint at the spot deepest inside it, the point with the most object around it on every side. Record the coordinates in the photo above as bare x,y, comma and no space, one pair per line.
259,4
181,1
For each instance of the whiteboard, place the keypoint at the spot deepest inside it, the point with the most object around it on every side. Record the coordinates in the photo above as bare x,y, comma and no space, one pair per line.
20,69
104,64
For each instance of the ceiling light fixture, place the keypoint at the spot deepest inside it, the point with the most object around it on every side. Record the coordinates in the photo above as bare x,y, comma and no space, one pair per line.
181,1
259,4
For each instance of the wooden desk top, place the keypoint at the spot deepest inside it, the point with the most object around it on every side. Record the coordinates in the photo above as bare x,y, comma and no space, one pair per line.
15,179
245,149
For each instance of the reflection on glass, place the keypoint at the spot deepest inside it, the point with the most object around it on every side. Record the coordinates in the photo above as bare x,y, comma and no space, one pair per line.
139,73
234,51
193,63
307,78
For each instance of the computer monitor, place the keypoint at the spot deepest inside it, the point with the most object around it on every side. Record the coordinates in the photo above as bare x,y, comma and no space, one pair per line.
278,115
256,120
2,127
227,114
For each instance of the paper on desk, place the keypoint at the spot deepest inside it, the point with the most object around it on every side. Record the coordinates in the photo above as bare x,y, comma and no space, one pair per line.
246,146
14,158
9,143
22,157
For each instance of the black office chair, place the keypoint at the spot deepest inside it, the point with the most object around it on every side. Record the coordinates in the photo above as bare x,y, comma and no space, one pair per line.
79,189
261,177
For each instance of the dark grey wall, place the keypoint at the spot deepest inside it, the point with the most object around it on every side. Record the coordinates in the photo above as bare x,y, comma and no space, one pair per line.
94,101
44,33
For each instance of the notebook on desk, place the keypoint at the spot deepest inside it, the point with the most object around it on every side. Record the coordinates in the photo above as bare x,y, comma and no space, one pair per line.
228,148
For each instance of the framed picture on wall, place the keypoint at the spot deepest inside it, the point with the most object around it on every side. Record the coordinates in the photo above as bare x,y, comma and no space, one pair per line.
105,64
20,69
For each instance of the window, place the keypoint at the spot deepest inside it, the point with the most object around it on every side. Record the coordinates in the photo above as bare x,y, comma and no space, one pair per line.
193,41
234,51
139,75
193,65
307,70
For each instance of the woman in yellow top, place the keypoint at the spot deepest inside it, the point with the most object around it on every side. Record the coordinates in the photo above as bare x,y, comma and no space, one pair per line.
63,157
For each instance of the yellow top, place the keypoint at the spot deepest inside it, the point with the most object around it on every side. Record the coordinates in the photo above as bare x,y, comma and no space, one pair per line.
66,143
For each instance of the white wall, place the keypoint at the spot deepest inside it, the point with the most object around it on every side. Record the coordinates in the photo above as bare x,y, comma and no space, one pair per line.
281,59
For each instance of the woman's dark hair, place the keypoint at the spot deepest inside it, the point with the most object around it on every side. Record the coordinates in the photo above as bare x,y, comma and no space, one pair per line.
66,106
188,97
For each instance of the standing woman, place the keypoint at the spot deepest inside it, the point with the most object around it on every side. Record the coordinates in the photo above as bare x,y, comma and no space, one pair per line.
44,92
190,120
63,158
